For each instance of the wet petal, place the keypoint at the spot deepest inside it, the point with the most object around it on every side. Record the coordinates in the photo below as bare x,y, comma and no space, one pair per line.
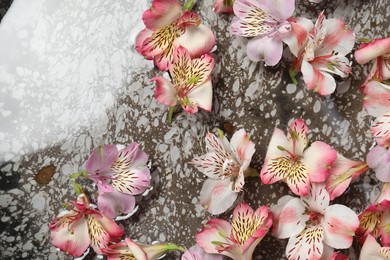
316,80
376,100
307,245
115,203
372,50
265,48
161,14
165,92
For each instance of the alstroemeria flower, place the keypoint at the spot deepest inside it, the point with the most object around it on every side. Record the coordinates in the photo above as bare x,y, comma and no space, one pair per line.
323,53
266,21
168,27
379,51
312,225
239,238
380,129
342,173
376,98
378,158
223,6
371,250
73,231
197,253
289,160
132,250
191,82
119,175
224,164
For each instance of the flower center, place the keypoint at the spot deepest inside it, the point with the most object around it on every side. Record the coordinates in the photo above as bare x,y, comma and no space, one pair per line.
314,217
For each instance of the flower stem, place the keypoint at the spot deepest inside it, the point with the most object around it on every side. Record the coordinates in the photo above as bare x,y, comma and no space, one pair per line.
82,173
171,110
189,4
293,75
77,187
250,172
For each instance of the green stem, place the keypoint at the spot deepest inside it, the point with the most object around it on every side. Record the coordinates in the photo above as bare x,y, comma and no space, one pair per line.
250,172
77,187
171,110
189,4
82,173
293,75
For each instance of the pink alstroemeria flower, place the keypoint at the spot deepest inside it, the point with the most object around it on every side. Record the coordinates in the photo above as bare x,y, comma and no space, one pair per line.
379,51
191,82
119,175
73,231
197,253
266,21
378,158
312,225
223,6
132,250
380,130
225,165
371,250
239,238
342,173
323,53
168,27
289,160
376,98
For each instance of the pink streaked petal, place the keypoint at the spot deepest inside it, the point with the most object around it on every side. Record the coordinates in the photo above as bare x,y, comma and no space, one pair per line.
289,217
307,245
139,43
370,249
318,198
338,65
339,223
319,157
197,253
385,192
316,80
216,196
372,50
298,35
115,203
279,10
267,48
101,158
384,228
221,7
162,13
377,98
137,251
242,145
202,96
188,19
378,158
297,134
197,40
165,92
298,179
210,165
318,32
381,127
163,60
100,237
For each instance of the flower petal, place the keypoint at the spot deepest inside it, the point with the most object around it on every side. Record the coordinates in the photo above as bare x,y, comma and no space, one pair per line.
307,245
139,43
316,80
298,35
319,157
242,145
372,50
318,198
161,14
101,158
338,65
378,159
267,48
188,19
165,92
376,100
370,250
201,96
384,228
297,134
216,196
298,179
380,129
115,203
339,223
197,253
223,6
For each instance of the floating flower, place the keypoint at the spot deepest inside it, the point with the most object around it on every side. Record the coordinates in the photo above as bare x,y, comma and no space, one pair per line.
73,231
197,253
312,225
379,51
324,53
289,160
191,83
223,6
119,175
267,22
378,158
371,250
376,98
225,165
132,250
380,130
168,27
239,238
342,173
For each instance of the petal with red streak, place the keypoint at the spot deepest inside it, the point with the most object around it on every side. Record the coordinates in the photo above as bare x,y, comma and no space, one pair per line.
372,50
307,245
376,100
161,14
316,80
165,92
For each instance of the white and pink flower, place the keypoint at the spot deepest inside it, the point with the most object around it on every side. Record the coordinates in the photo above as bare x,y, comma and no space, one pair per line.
371,250
323,54
378,158
191,82
289,159
133,250
380,129
313,226
168,27
239,238
376,98
223,6
225,165
379,51
119,176
197,253
74,230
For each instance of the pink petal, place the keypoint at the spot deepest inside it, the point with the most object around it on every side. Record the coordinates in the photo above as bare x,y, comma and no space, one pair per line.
297,134
316,80
216,196
197,253
372,50
338,65
378,158
101,158
165,92
221,7
137,251
161,14
265,48
289,217
384,228
318,198
298,179
115,203
318,159
370,249
385,192
380,129
139,43
279,10
189,19
340,224
163,60
242,145
202,96
376,100
307,245
197,40
296,39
